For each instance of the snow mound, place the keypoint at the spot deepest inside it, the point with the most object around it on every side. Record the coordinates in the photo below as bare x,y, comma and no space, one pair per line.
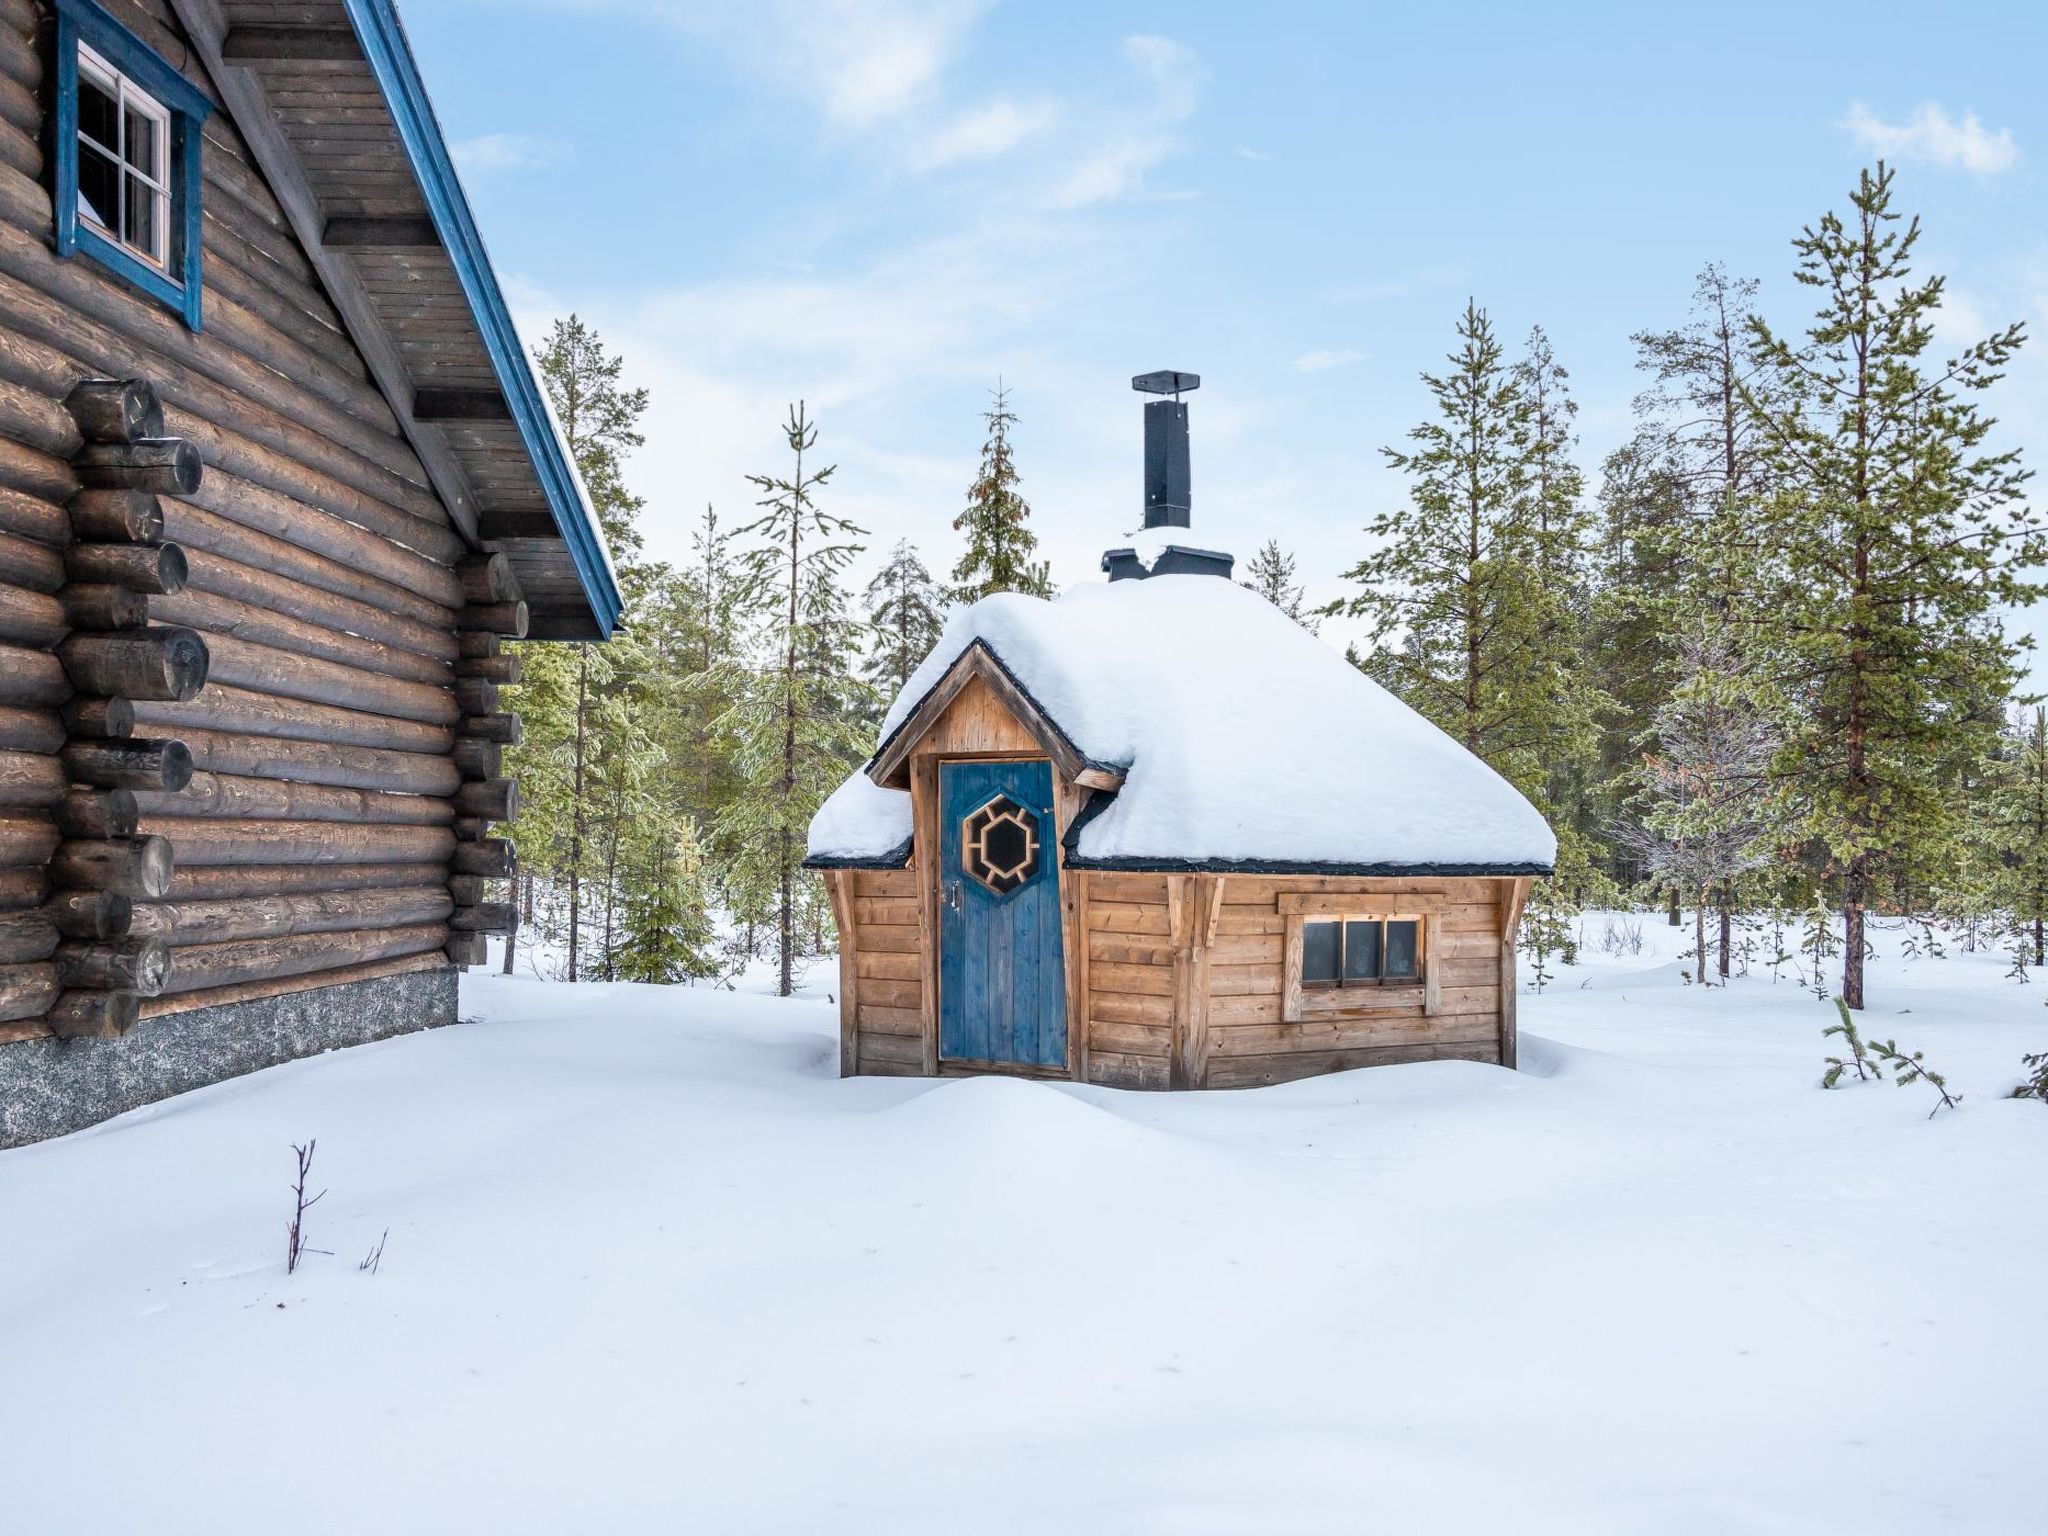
1242,739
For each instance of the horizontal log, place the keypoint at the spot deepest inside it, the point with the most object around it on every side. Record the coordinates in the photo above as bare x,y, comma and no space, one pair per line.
30,780
229,576
499,728
138,867
164,466
311,762
117,517
94,1015
26,936
28,991
138,567
476,759
30,730
31,566
35,474
492,799
34,421
261,714
217,795
280,986
467,949
133,964
115,410
158,664
491,857
101,608
90,914
222,882
26,837
284,674
489,917
213,614
508,619
185,923
137,763
213,965
34,619
97,813
31,517
496,669
296,842
23,887
104,719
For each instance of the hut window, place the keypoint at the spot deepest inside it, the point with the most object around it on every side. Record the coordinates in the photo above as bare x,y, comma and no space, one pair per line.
127,162
1360,951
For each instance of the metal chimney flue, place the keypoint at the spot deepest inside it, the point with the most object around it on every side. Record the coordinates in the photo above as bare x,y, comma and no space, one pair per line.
1168,491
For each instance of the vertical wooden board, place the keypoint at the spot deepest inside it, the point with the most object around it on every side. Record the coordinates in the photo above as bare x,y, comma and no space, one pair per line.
1432,963
1514,896
924,776
839,884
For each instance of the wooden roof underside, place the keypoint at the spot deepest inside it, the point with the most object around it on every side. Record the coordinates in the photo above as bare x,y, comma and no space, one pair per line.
302,92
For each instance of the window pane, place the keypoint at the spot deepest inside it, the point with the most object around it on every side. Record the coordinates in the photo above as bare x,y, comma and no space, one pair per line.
1319,951
1401,950
1361,950
98,116
99,187
145,219
141,145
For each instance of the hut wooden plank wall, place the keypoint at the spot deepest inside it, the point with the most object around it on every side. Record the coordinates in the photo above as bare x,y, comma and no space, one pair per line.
250,619
1173,979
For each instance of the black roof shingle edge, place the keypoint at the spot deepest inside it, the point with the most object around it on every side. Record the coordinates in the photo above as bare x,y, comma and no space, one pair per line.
896,858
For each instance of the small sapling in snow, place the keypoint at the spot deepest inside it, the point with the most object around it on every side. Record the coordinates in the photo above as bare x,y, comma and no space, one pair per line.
295,1235
1858,1059
375,1256
1909,1068
2036,1085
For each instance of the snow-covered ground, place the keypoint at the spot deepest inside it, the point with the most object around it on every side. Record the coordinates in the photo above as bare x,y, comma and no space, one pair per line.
653,1266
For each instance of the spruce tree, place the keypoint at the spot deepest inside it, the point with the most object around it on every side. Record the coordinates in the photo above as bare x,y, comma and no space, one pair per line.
905,614
1000,545
1271,575
2017,812
1899,534
794,731
667,932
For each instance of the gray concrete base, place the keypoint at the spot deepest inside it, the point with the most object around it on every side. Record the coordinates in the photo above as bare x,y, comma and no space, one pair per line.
50,1087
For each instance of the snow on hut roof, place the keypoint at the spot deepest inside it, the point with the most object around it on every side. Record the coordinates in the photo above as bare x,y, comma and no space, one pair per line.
1242,741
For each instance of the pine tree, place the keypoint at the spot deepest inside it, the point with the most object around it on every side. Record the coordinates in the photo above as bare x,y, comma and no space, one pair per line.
905,614
600,420
1000,546
790,724
1899,535
1271,575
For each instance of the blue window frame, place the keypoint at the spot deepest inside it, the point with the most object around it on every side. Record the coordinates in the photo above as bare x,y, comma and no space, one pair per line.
127,158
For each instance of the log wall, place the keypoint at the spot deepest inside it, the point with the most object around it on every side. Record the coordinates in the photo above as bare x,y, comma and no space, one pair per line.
331,788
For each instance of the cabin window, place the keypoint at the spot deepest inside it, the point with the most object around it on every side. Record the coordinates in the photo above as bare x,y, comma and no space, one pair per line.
1347,951
127,161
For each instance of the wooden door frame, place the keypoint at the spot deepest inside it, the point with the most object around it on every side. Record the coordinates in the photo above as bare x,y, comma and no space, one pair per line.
926,828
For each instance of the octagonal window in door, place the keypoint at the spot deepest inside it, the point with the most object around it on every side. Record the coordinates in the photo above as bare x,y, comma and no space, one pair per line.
1000,845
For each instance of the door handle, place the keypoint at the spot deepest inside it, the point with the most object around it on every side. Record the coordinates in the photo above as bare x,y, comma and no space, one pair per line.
953,894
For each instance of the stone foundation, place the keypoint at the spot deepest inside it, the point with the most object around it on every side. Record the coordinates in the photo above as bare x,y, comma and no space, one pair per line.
51,1087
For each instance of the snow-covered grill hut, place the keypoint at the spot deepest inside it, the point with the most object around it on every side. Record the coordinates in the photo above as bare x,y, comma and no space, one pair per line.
1155,834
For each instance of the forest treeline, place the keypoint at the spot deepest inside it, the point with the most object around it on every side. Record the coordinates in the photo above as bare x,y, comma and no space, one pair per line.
1753,666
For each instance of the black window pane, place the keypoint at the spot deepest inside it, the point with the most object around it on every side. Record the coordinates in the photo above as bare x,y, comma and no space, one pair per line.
98,114
1319,951
1361,951
99,188
1401,950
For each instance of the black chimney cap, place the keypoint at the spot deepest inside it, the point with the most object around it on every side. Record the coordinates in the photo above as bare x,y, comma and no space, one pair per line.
1167,381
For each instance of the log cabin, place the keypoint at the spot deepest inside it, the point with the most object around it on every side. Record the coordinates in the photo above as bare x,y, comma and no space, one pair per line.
276,482
1155,834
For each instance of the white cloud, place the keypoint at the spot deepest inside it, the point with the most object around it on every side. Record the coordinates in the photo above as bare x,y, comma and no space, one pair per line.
488,152
1932,136
1116,167
983,134
1246,152
1320,362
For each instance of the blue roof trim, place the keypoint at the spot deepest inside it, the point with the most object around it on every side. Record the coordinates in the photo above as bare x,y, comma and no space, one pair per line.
391,61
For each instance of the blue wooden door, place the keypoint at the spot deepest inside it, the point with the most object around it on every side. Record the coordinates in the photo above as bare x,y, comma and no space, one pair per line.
1002,965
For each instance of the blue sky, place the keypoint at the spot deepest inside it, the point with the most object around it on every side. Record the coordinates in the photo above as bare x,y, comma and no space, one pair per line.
882,205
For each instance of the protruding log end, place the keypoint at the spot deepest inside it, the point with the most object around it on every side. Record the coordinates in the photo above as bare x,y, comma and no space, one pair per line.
91,914
167,466
508,619
117,517
476,758
86,812
499,728
495,669
491,857
164,662
94,1015
488,579
487,917
165,766
467,948
115,410
100,719
100,607
476,696
138,868
141,966
138,567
